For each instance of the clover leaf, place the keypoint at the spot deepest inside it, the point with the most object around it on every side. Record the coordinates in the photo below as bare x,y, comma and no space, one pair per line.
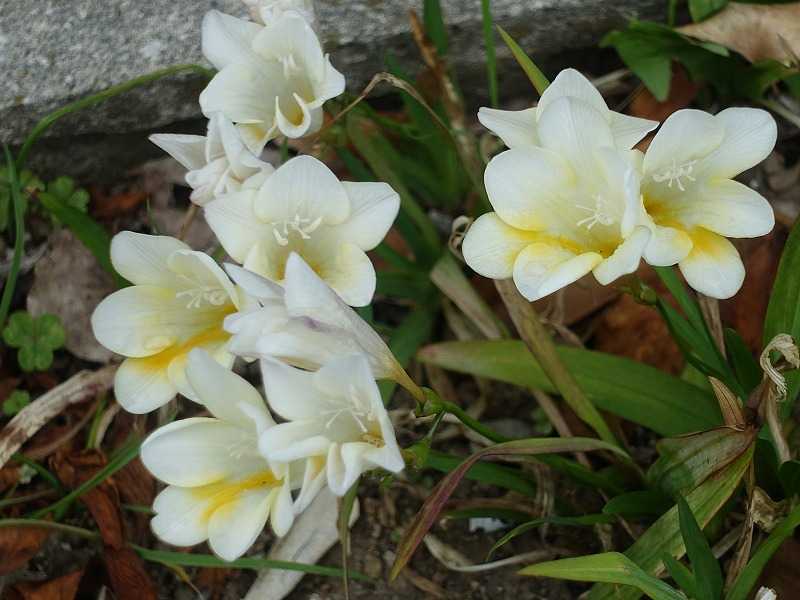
16,401
35,337
64,191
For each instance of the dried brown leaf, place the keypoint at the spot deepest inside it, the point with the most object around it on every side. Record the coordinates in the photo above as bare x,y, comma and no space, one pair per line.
755,31
18,545
60,588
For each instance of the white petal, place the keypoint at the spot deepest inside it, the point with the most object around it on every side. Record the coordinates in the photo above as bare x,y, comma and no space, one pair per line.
667,246
571,84
625,259
332,85
294,440
244,93
139,320
189,150
729,208
198,270
197,451
142,259
686,135
282,515
713,267
225,394
514,127
345,465
314,479
373,209
750,135
346,375
542,269
253,284
140,388
180,517
303,186
491,247
629,131
234,222
227,39
351,274
243,163
525,186
290,392
293,117
290,36
234,526
572,128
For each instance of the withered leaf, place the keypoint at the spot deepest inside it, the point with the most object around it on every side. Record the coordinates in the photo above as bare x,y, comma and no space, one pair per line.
18,545
60,588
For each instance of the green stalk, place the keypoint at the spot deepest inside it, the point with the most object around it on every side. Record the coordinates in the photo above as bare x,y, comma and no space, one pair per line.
19,238
541,345
98,98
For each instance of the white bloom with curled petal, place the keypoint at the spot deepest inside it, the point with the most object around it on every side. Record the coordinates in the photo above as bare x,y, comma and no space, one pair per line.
273,79
335,413
266,11
217,163
689,194
305,324
564,209
178,302
220,487
304,208
518,128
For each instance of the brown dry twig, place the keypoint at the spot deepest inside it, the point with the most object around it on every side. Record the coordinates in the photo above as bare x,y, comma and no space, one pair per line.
78,388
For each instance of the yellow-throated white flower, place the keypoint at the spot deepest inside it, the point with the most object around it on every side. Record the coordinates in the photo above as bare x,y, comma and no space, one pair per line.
217,163
178,302
694,204
273,79
336,413
305,324
304,208
562,209
220,487
520,127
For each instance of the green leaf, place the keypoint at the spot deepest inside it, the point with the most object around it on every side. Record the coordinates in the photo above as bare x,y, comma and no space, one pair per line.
639,503
64,190
664,535
36,339
433,505
708,575
631,390
343,525
745,366
16,401
581,521
434,25
702,9
488,473
682,575
749,576
783,312
687,461
491,59
537,78
28,183
610,567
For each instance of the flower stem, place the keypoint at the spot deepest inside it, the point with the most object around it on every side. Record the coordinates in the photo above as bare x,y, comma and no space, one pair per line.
19,237
541,345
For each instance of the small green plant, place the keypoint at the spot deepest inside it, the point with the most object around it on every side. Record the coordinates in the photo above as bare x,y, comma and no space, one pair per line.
28,182
35,337
63,190
16,401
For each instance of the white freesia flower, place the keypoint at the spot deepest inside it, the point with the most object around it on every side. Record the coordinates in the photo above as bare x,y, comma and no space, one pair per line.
217,163
766,593
689,194
518,128
266,11
563,209
178,302
336,413
220,488
305,324
272,79
304,208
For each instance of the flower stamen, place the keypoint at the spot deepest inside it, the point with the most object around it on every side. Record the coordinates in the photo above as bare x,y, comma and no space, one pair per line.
675,173
302,225
598,214
204,294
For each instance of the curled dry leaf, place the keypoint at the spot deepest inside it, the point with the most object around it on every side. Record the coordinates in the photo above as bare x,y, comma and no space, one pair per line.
60,588
755,31
18,545
69,283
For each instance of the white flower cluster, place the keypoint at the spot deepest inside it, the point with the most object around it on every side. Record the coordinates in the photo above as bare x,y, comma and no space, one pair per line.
571,196
301,236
